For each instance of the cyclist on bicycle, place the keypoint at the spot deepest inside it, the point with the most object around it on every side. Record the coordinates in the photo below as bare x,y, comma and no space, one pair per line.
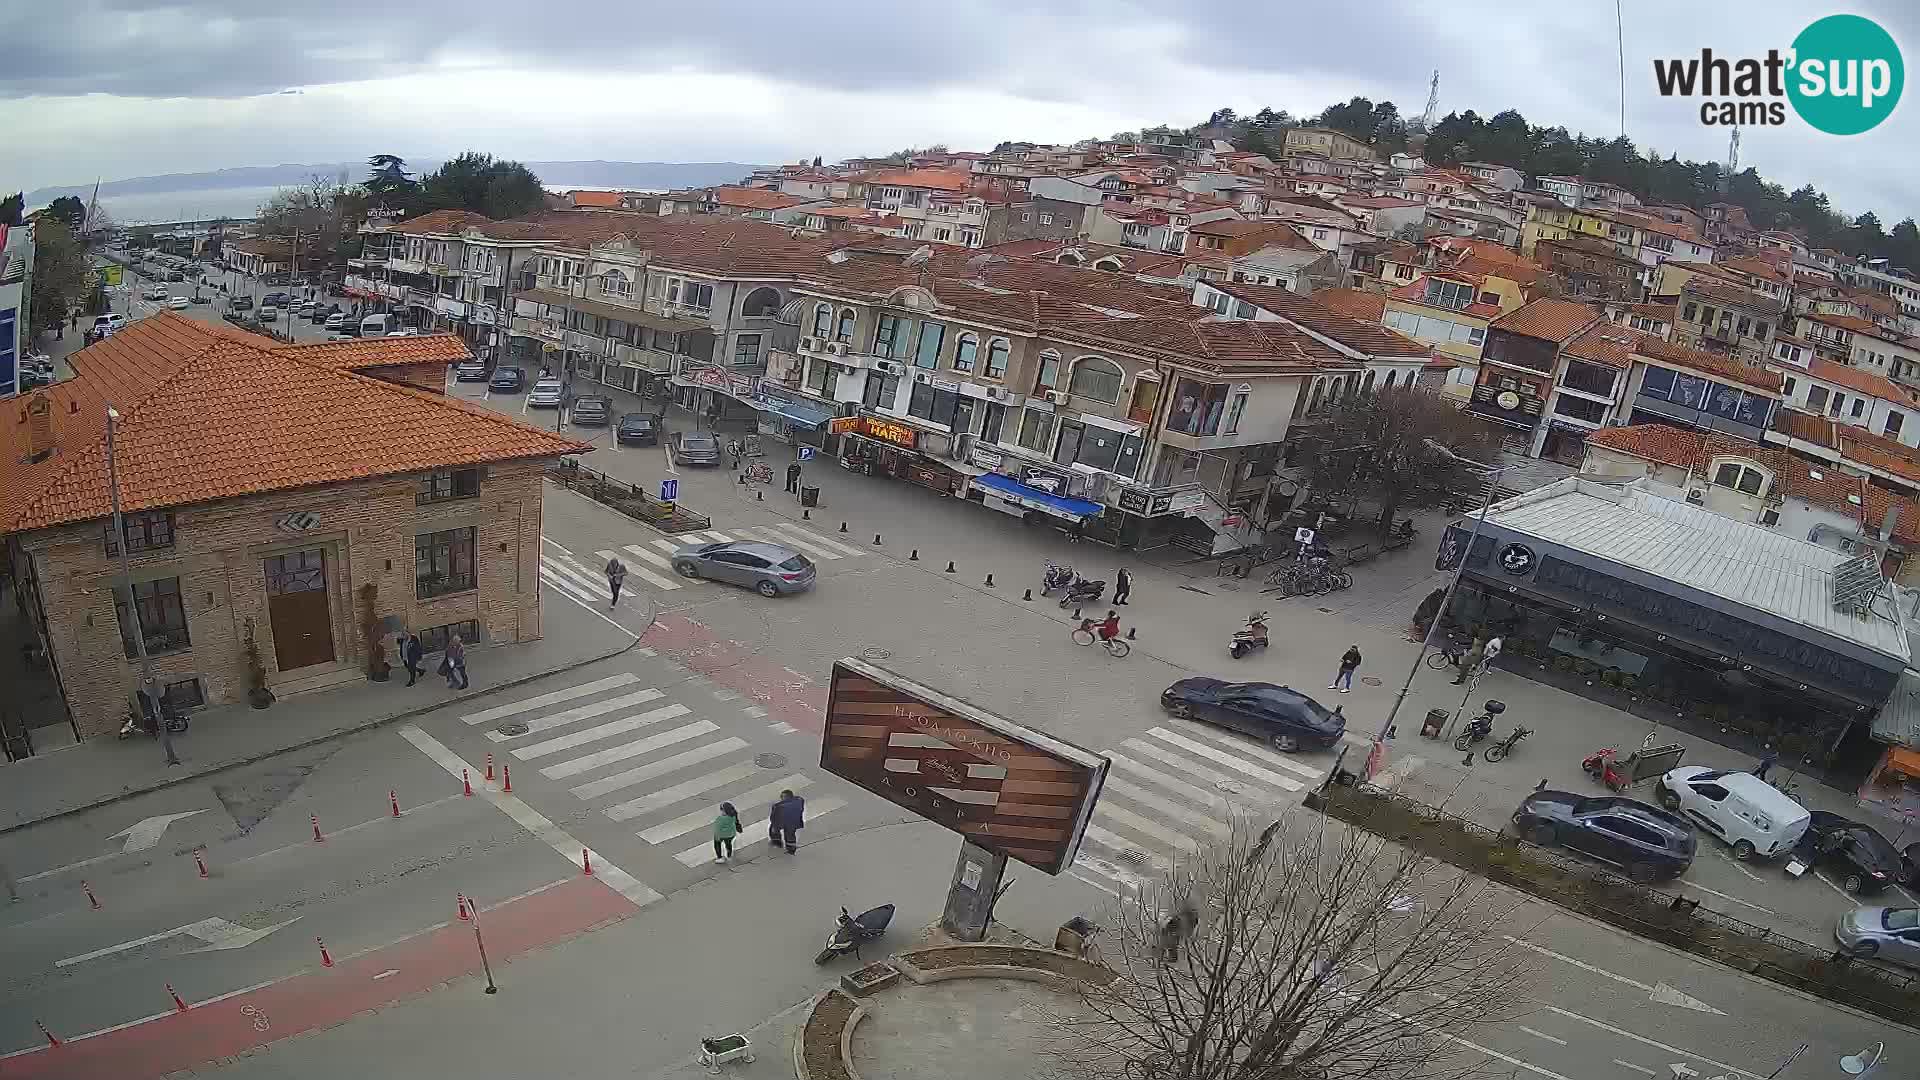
1110,629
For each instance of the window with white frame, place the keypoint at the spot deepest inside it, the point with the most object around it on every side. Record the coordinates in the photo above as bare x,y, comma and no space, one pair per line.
1046,219
997,351
844,331
822,320
615,283
1741,476
1036,431
964,352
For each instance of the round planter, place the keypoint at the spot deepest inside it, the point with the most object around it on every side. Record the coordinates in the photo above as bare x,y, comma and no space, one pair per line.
260,698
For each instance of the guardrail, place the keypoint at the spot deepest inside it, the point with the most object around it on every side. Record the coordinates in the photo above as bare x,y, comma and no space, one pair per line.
1668,918
634,502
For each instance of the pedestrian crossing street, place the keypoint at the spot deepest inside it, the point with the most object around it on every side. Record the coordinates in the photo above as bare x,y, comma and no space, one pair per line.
585,579
1173,789
644,761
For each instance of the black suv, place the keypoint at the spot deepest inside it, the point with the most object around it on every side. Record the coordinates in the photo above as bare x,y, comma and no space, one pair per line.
1645,841
1863,860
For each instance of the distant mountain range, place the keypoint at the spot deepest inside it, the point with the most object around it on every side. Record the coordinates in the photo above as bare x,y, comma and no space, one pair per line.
554,174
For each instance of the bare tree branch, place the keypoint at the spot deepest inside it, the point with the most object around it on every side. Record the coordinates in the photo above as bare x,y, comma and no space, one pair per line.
1303,951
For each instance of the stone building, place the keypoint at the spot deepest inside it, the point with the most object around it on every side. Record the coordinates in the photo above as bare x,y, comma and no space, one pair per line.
280,495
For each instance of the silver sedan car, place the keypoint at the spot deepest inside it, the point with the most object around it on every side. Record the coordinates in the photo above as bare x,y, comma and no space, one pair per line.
768,569
1891,933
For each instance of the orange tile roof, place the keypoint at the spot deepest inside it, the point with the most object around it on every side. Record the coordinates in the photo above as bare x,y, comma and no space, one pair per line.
1548,320
1366,336
361,354
273,249
1759,268
937,179
208,412
1852,324
1806,427
1723,295
1363,304
1236,227
1654,442
1606,343
1720,367
755,198
608,199
1859,380
440,221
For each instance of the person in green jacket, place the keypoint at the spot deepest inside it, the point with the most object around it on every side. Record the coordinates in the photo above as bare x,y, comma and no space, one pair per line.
725,828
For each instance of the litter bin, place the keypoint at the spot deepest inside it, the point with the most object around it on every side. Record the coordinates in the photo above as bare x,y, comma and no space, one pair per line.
809,496
1435,721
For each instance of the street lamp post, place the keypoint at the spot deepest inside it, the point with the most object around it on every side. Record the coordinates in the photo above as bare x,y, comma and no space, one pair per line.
1453,583
149,686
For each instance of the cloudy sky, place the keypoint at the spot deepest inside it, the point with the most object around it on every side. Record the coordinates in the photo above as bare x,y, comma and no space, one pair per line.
119,88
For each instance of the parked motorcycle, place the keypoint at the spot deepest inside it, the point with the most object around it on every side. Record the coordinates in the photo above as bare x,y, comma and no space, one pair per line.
1058,576
1252,638
140,722
1083,591
1505,746
1480,726
853,930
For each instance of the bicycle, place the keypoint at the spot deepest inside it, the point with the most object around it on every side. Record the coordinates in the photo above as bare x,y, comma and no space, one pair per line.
1084,635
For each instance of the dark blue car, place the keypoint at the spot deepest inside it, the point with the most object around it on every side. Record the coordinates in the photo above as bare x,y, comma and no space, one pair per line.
1280,715
508,380
1645,842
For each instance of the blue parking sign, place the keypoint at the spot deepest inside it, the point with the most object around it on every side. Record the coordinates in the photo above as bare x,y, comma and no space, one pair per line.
669,490
806,453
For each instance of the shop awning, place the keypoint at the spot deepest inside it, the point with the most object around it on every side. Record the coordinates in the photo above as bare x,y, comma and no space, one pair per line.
794,413
1034,499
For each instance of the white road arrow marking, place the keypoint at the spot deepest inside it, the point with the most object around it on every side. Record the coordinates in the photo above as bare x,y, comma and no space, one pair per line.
1682,1071
146,832
1662,993
217,933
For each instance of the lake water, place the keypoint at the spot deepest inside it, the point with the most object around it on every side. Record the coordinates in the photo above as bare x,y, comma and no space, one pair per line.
238,202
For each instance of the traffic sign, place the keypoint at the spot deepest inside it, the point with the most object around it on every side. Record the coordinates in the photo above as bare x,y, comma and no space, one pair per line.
806,453
669,489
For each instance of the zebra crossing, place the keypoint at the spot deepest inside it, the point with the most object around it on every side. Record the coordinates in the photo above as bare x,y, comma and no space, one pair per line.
652,563
1173,789
644,761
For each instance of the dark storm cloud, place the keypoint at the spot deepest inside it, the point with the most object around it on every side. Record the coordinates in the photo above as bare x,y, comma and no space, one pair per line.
229,48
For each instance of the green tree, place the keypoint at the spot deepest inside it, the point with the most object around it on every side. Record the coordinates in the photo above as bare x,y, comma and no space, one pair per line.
59,273
70,210
12,207
479,183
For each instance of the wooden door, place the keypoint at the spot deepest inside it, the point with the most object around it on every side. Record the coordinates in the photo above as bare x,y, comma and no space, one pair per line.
298,610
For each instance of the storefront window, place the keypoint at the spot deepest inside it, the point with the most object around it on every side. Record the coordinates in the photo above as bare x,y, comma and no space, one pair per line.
996,416
881,390
935,406
927,354
1067,450
1036,430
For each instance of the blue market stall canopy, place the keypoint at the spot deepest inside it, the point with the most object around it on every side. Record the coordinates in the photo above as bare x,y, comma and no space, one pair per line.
1034,499
794,413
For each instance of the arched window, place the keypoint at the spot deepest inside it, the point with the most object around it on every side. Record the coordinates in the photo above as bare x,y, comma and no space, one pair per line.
616,283
1313,401
1097,378
822,320
997,350
1391,375
1368,384
964,352
1069,258
845,331
1109,262
1048,377
761,303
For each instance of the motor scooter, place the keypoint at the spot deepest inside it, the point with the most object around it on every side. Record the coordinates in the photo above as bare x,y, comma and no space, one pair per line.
1083,591
139,721
1480,726
1058,576
1252,638
852,930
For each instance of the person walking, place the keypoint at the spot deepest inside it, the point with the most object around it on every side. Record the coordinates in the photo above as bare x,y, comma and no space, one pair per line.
1471,661
786,819
454,664
793,478
1349,663
616,577
1122,585
410,656
725,828
1767,761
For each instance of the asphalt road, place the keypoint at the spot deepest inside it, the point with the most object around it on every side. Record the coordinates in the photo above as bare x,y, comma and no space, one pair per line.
629,757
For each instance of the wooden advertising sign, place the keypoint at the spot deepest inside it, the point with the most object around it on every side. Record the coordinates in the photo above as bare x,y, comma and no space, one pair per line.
1012,790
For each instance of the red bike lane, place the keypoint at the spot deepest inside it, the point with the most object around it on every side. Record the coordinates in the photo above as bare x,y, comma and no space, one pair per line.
327,997
787,695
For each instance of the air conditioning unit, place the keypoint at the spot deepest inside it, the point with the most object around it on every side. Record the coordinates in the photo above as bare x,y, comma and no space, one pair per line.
1697,496
922,376
995,393
889,367
1057,397
837,348
809,344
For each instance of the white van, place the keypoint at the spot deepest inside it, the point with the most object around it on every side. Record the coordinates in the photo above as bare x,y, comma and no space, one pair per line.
373,326
1741,809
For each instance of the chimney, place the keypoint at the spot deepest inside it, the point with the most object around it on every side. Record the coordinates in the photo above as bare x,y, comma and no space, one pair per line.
39,418
1888,521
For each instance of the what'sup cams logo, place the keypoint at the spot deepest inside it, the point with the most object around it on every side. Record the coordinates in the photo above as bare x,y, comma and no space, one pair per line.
1842,75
